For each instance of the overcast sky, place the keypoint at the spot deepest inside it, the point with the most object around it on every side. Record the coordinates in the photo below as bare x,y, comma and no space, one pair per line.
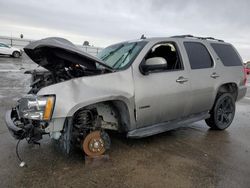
103,22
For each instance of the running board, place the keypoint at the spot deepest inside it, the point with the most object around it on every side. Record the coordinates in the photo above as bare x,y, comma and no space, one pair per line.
166,126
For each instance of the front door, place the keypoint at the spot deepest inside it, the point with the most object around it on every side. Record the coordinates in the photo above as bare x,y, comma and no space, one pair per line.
162,95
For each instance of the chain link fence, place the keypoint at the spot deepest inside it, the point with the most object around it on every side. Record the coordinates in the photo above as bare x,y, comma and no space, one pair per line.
20,43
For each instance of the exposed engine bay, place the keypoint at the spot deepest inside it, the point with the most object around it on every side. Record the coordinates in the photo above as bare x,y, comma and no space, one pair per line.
62,61
45,78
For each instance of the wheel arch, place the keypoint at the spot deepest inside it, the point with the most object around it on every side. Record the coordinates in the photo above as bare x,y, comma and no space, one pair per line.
16,51
122,110
229,87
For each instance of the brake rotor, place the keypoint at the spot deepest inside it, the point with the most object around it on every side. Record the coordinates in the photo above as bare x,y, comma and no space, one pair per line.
93,144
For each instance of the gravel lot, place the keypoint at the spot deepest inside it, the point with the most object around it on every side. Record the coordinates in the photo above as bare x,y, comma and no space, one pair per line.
193,156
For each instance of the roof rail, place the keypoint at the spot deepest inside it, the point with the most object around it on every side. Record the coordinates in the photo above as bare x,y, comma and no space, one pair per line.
202,38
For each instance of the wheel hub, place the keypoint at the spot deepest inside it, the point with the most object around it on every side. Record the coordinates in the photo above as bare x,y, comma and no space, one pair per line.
96,145
93,144
225,111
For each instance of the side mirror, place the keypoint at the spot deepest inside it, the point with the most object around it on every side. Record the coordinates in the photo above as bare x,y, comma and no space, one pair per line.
154,63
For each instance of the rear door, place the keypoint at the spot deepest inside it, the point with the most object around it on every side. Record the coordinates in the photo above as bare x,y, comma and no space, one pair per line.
203,76
161,96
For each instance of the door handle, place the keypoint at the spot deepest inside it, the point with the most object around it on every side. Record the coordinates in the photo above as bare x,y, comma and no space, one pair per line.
181,79
214,75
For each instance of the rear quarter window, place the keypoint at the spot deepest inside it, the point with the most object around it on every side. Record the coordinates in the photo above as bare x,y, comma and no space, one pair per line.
227,54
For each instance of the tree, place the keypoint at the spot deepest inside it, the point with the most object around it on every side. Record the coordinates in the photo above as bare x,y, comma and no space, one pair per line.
86,43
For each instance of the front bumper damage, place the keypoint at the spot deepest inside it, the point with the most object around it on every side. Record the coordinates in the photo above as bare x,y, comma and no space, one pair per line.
22,128
14,125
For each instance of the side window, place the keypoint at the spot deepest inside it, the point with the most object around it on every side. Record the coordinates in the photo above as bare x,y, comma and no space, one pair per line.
168,52
227,54
198,55
3,45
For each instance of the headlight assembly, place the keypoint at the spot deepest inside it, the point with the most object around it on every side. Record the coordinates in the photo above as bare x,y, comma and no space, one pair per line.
36,107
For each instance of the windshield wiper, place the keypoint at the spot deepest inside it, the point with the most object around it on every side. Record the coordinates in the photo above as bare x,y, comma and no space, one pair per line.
129,52
106,67
111,53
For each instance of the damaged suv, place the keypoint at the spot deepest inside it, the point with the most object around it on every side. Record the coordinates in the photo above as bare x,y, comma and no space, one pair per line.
141,87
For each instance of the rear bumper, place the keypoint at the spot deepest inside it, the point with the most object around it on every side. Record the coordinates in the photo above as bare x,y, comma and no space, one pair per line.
241,92
11,120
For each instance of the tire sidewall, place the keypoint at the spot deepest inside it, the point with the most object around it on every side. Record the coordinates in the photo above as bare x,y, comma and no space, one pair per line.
16,54
215,111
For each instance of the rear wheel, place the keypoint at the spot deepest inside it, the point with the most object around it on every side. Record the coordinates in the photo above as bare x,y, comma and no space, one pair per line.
222,113
16,54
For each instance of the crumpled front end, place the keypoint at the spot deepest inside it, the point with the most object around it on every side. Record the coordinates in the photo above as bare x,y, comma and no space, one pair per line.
15,126
23,128
30,117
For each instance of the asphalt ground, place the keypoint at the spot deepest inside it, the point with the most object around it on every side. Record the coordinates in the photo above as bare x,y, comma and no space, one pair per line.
193,156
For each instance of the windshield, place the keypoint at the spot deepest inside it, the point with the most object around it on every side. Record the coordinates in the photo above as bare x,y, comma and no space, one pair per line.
121,55
248,66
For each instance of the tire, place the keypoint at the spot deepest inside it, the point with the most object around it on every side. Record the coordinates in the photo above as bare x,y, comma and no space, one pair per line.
16,54
65,141
222,113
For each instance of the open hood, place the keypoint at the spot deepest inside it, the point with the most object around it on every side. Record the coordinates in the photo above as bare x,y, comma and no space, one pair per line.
55,52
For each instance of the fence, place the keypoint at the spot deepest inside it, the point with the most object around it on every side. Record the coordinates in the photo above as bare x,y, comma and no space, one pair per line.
90,49
20,43
16,42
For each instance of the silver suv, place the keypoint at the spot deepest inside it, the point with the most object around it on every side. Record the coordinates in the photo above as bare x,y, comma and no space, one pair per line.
140,87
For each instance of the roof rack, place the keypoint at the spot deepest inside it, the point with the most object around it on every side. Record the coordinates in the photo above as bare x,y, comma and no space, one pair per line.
202,38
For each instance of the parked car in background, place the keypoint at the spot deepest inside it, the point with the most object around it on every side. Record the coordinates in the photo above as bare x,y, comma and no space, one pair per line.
9,50
247,68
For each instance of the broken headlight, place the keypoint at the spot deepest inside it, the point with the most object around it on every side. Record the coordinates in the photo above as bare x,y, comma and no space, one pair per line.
36,107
